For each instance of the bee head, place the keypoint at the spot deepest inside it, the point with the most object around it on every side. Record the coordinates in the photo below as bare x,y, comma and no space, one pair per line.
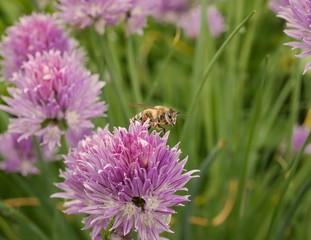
171,117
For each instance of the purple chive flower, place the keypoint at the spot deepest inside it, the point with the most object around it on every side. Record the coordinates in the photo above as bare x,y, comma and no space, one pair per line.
104,13
138,15
216,21
171,10
131,176
73,137
297,15
277,5
54,93
34,33
19,156
300,134
101,13
190,22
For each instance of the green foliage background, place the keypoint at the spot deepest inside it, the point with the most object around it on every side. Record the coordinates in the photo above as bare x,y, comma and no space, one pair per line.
238,116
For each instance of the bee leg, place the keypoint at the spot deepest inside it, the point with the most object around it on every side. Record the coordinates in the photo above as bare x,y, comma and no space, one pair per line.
163,130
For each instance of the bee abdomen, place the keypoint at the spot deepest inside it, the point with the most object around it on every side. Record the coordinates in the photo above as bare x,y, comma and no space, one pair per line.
136,118
142,117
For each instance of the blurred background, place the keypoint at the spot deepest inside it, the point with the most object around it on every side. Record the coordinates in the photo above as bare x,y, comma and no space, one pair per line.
239,129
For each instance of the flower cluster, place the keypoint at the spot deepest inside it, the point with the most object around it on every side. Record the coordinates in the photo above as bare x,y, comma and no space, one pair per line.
297,15
135,13
171,10
19,156
129,176
103,13
137,18
54,92
35,33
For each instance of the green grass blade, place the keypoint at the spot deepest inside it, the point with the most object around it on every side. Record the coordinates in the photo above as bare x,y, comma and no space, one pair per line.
161,73
4,121
197,65
7,230
296,79
18,216
34,5
43,166
196,95
112,63
293,208
131,62
196,184
250,139
286,184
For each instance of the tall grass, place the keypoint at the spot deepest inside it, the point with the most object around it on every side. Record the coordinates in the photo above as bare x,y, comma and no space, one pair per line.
242,93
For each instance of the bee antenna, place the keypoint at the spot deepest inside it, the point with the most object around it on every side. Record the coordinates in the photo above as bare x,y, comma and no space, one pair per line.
181,115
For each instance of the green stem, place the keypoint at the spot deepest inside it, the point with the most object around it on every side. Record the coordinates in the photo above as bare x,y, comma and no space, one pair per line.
292,209
7,230
4,121
215,58
197,92
96,55
43,166
293,110
242,180
18,216
114,69
107,232
30,191
200,44
35,5
160,74
55,224
98,59
292,170
64,145
275,110
195,190
131,62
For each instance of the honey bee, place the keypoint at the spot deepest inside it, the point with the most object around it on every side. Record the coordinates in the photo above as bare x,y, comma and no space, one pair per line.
159,116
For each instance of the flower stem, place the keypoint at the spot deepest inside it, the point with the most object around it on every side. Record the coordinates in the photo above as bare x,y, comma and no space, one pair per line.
42,164
197,65
114,69
198,90
35,5
131,62
195,189
293,208
163,66
7,230
292,170
296,80
214,59
64,145
160,74
18,216
239,210
4,121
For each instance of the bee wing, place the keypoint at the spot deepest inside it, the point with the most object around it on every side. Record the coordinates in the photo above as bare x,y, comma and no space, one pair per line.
141,105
